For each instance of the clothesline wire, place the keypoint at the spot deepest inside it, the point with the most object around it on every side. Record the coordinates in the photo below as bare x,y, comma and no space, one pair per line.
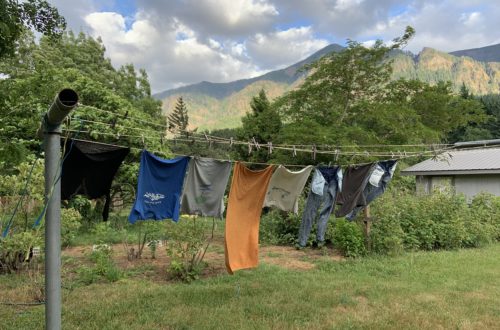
250,145
323,152
279,145
259,163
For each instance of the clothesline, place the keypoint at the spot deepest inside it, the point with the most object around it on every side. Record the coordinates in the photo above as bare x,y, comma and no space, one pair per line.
263,145
254,144
241,161
293,150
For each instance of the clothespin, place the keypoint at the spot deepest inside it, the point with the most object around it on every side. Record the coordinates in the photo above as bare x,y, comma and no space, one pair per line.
231,141
249,148
208,140
270,147
336,155
392,155
257,146
294,152
314,152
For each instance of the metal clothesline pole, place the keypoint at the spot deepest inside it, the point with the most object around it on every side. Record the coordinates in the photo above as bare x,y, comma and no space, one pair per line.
50,130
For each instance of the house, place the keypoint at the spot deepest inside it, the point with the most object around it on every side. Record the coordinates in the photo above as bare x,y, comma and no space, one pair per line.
470,168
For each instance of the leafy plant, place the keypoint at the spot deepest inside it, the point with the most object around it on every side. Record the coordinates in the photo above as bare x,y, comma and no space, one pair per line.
186,246
348,238
103,268
16,250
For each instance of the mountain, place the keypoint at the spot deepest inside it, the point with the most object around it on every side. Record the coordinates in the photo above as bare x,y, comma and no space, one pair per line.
483,54
221,105
222,90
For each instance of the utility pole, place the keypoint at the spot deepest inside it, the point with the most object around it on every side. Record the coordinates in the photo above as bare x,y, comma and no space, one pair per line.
50,130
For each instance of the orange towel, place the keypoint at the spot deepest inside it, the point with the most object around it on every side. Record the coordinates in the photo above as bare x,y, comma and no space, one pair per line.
246,197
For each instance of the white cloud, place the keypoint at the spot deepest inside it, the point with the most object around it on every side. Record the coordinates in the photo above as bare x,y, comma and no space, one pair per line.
221,18
186,41
282,48
170,61
444,25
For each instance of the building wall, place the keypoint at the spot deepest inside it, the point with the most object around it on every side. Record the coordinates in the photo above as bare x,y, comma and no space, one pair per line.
469,185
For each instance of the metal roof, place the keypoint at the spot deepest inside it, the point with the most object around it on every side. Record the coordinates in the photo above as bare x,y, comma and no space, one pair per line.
472,161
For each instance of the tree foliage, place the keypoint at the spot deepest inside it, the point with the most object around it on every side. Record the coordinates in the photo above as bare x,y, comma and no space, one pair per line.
178,120
263,124
348,98
16,17
115,104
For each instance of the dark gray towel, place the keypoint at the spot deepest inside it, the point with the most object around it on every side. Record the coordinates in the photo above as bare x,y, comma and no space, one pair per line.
205,186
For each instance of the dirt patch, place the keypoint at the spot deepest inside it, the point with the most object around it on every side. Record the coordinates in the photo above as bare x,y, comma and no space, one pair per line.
156,268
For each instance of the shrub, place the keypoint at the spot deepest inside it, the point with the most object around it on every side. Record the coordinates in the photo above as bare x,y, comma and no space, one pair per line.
348,238
279,228
442,220
70,224
16,250
386,236
187,244
104,268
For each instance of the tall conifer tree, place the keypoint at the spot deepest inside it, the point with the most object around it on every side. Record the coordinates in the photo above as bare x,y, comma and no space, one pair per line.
178,120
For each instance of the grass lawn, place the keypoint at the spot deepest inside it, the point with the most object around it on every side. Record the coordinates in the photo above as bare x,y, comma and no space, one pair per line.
424,290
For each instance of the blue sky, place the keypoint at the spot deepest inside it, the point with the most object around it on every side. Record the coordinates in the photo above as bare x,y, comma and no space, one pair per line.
181,42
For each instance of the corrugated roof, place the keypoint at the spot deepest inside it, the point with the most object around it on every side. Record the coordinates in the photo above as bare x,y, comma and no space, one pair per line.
475,161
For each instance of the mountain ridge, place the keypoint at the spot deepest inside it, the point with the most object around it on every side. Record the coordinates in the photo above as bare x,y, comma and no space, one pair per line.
221,90
489,53
221,105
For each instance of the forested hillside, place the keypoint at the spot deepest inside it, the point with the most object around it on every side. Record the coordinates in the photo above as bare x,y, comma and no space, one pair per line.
221,109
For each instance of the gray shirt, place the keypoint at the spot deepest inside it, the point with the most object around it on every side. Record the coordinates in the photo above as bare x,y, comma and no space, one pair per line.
205,186
285,188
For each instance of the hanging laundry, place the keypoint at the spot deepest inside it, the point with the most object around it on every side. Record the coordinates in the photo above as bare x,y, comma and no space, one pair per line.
159,188
326,184
354,183
205,186
285,188
89,168
377,184
247,194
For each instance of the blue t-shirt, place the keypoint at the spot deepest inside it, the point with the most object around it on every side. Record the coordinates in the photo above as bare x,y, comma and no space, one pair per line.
159,188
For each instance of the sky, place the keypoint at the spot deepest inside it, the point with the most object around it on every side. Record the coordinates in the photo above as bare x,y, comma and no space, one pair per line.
181,42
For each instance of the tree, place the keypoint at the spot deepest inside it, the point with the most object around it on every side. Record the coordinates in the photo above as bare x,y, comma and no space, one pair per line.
36,72
178,120
263,124
16,17
348,98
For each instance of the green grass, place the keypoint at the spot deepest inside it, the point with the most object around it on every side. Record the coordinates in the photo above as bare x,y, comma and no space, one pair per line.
424,290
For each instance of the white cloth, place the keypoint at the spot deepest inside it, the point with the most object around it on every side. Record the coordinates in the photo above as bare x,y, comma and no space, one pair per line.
285,188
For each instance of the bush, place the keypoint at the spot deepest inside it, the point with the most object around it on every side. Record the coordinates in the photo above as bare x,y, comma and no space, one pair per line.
348,238
187,244
442,220
70,224
16,250
104,268
386,236
279,228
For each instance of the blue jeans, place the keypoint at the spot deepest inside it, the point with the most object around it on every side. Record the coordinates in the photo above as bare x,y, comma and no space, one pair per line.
325,206
371,192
